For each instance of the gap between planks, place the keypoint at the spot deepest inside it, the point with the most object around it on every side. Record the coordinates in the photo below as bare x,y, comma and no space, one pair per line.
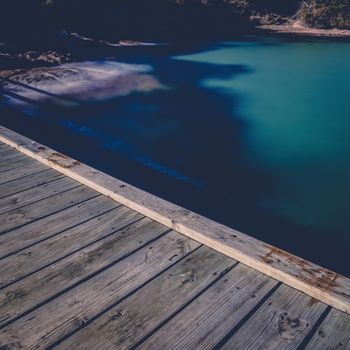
322,284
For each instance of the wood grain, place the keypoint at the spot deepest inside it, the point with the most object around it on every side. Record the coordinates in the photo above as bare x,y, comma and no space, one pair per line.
76,307
281,323
22,171
22,184
48,251
87,272
9,155
35,211
4,147
313,280
333,334
29,292
211,316
42,229
125,324
38,193
14,163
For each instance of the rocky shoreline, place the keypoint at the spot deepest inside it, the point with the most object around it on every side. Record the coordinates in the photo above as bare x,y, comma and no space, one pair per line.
52,32
35,65
304,31
78,48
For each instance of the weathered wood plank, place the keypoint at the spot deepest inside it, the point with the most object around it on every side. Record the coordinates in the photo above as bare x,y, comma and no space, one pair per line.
39,230
9,154
212,315
26,294
22,184
125,324
36,194
15,163
31,212
52,249
334,333
65,314
4,147
318,282
281,323
6,150
21,172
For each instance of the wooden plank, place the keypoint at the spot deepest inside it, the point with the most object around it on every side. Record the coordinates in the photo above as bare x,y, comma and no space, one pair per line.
9,151
334,333
71,270
29,182
4,147
35,211
21,172
212,315
15,163
42,229
8,154
67,313
36,194
126,323
312,279
281,323
42,254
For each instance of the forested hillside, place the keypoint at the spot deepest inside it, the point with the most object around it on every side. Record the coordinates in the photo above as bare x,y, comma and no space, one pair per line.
325,13
163,19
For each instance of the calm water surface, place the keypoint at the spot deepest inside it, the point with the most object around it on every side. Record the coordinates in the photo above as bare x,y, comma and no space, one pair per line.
254,134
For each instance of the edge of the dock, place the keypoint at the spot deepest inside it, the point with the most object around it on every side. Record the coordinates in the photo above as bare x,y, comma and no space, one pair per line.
320,283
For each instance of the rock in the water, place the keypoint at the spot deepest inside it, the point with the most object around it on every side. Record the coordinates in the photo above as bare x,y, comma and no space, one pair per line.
51,57
12,58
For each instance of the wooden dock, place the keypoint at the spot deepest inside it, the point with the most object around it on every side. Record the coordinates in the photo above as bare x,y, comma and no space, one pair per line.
80,270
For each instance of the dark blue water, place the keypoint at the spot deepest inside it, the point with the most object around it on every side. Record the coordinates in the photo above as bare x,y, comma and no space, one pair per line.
254,133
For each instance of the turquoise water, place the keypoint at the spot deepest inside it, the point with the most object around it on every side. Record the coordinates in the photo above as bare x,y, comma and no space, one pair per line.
295,101
253,133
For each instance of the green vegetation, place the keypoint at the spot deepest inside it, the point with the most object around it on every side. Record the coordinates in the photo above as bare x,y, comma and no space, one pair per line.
161,19
313,13
326,13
